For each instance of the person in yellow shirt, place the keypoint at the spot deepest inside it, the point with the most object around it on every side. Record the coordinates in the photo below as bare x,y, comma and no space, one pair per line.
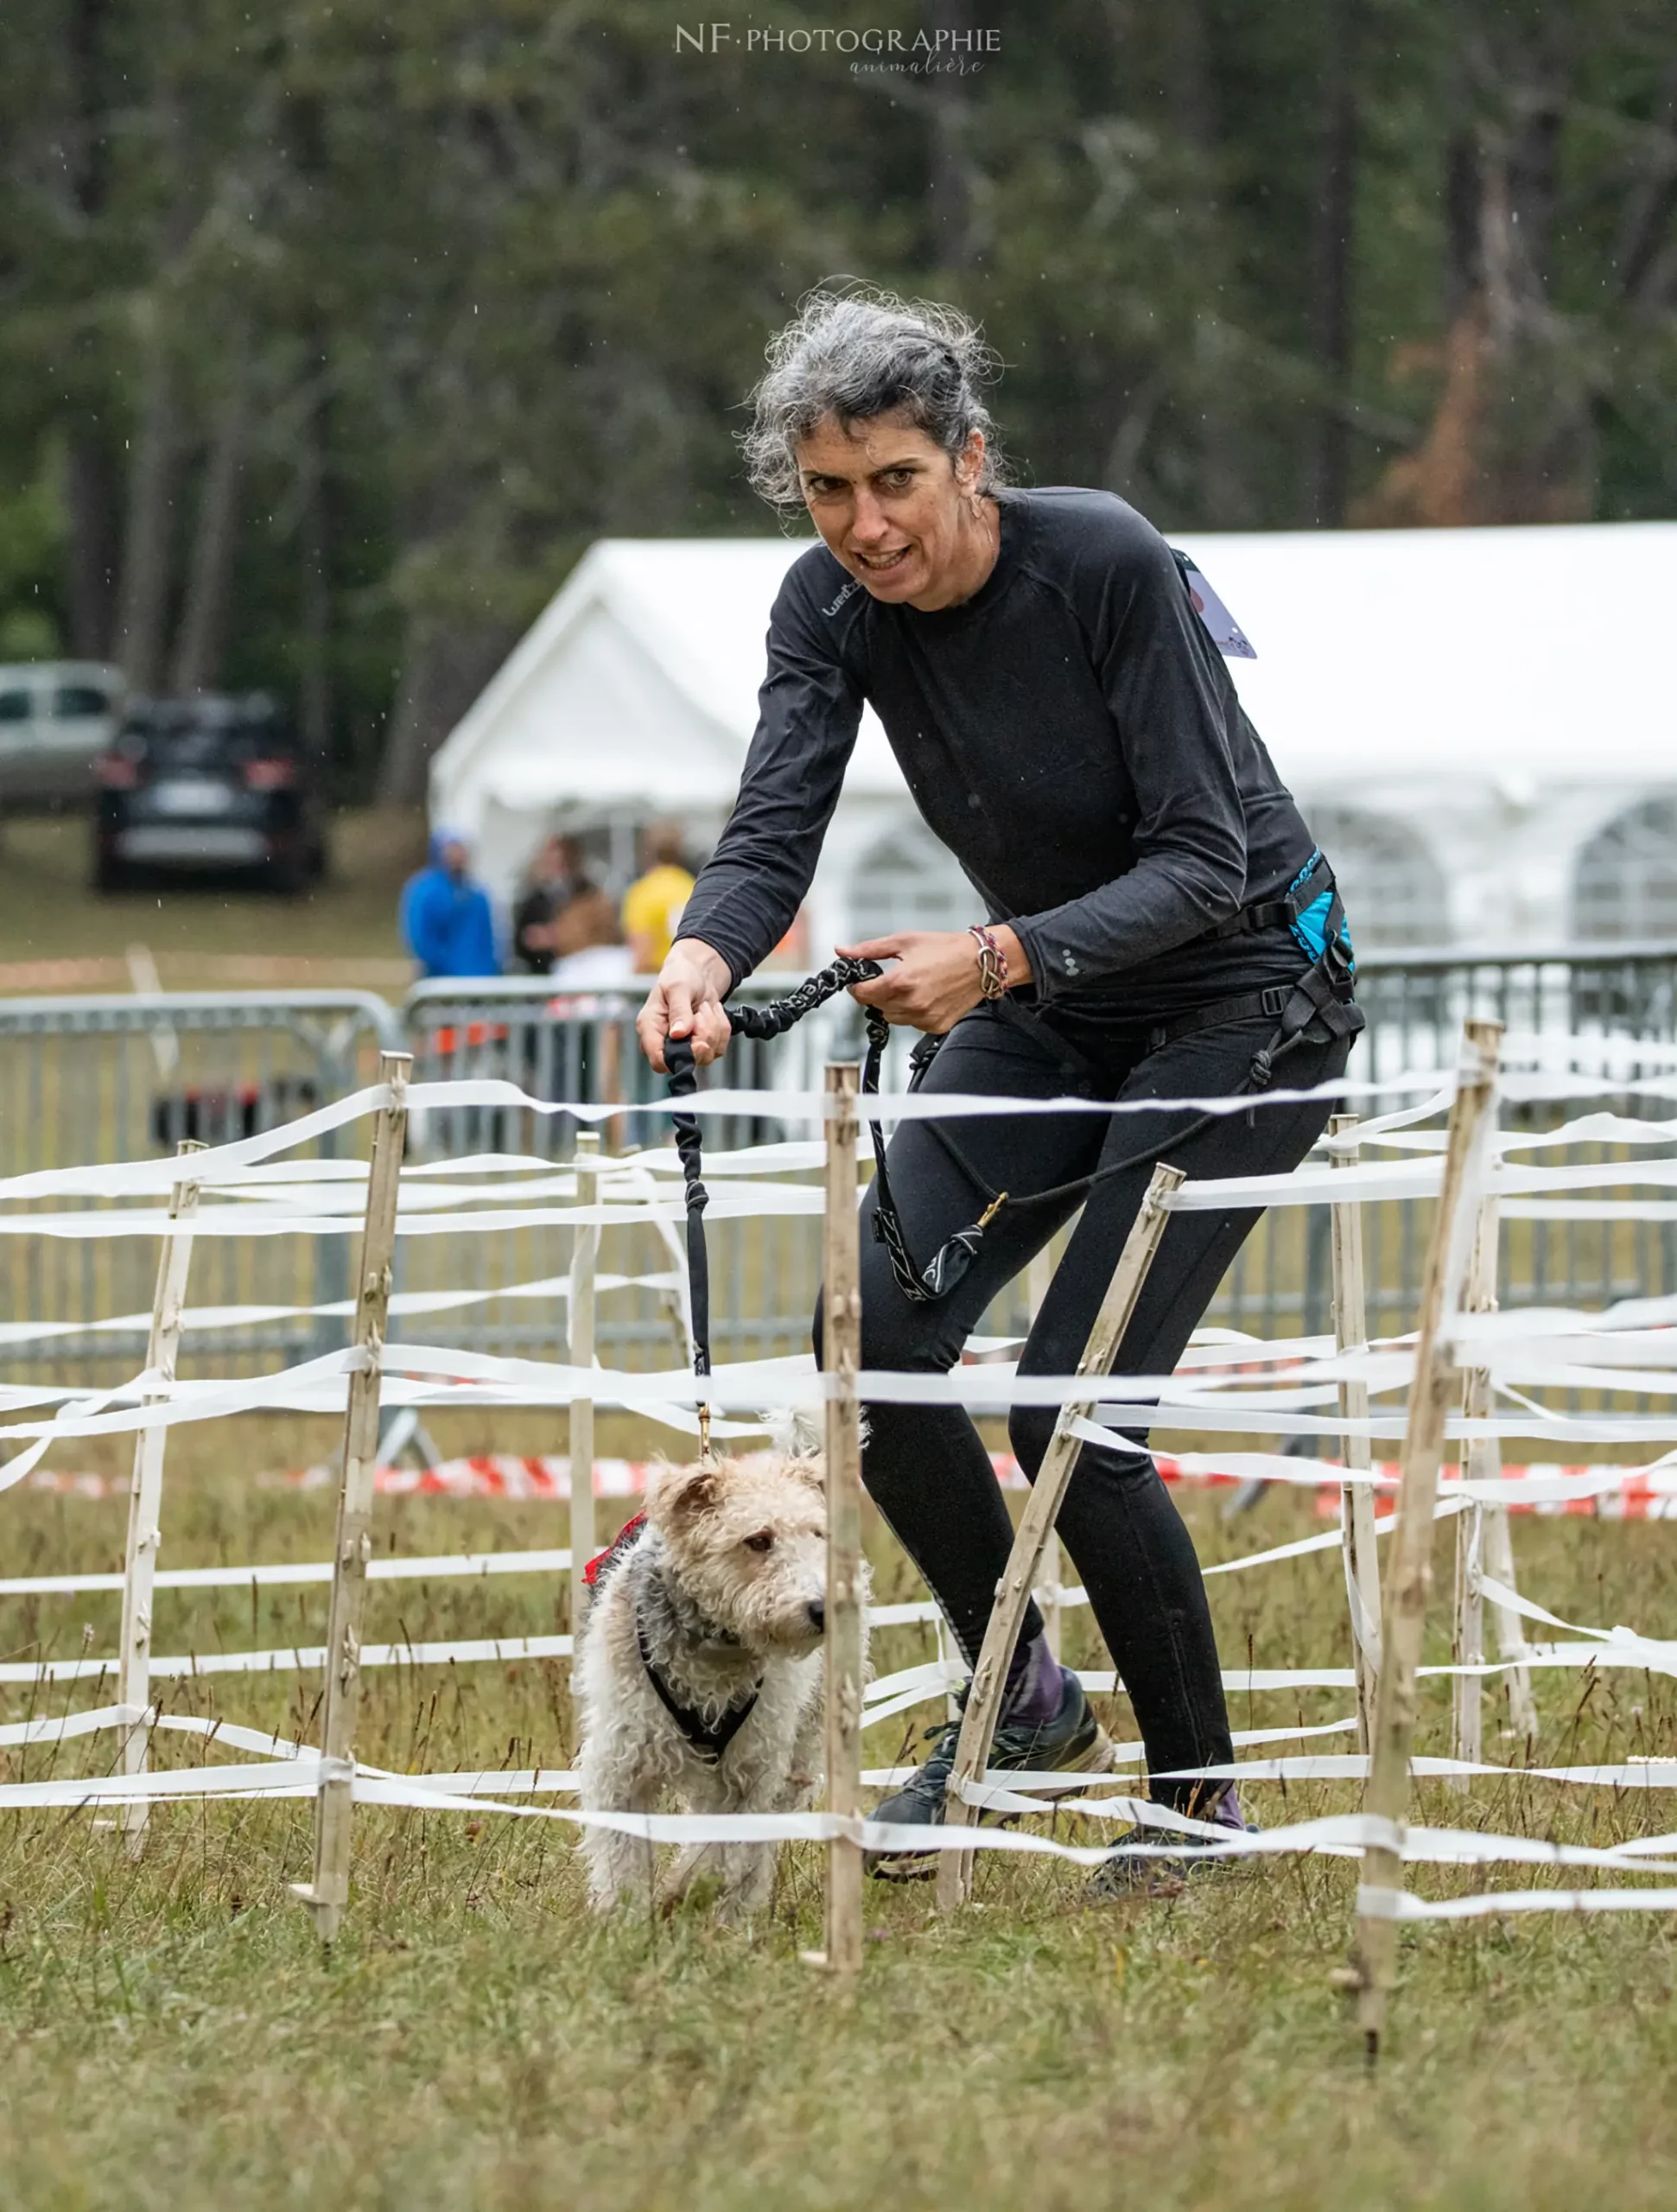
653,903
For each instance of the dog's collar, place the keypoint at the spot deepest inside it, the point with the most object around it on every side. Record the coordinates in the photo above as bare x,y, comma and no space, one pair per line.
709,1740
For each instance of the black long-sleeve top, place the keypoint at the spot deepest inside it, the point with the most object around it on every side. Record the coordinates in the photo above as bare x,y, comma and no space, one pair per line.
1069,732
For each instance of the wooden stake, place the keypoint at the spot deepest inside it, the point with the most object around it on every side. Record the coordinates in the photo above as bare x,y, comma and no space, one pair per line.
1050,1589
1356,1500
145,1496
841,1357
1041,1510
1487,1550
1473,1124
585,1253
1510,1629
1038,1276
329,1893
1482,1461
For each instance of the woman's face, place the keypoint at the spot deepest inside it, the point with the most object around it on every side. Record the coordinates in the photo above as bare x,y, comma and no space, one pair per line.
893,508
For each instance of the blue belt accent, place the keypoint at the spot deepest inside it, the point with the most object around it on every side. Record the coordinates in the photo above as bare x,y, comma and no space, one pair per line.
1310,924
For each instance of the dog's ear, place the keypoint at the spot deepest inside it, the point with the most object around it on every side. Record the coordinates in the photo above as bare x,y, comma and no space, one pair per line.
675,1494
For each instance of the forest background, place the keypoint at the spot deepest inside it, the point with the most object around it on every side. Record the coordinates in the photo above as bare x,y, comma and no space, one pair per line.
332,332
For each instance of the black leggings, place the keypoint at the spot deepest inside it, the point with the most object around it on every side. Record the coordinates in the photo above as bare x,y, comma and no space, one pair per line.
926,1467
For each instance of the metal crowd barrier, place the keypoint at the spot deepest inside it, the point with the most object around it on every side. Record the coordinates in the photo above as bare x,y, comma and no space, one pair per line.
582,1044
1416,1003
85,1079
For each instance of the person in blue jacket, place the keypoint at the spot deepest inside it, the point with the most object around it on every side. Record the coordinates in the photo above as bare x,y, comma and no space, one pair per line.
445,917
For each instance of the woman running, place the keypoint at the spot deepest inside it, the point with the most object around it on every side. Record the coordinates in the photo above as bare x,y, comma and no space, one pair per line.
1152,920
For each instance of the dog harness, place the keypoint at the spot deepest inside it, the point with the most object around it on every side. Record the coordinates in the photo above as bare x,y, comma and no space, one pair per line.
1318,1007
602,1562
709,1740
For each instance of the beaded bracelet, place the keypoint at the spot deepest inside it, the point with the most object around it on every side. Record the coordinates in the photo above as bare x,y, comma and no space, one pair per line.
991,962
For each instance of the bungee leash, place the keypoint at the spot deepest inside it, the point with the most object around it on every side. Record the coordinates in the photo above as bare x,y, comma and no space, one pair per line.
921,1285
952,1258
1318,1005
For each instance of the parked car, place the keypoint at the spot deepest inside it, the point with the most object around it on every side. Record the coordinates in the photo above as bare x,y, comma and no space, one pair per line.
56,717
206,784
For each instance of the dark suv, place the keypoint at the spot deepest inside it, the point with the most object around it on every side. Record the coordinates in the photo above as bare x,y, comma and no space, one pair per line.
206,785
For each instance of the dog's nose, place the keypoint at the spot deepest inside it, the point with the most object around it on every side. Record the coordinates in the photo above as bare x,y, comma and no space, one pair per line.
817,1612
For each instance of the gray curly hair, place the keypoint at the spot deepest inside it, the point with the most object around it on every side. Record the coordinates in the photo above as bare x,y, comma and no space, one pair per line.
859,353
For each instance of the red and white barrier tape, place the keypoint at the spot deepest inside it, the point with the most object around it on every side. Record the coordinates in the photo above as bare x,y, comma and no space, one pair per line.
547,1476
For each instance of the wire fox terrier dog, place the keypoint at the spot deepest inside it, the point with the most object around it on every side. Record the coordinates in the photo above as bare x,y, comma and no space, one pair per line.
702,1669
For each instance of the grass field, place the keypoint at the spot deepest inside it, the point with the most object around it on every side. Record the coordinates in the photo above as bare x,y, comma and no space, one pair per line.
172,2037
208,935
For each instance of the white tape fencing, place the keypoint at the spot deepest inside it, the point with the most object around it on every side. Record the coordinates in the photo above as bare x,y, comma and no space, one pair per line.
1228,1384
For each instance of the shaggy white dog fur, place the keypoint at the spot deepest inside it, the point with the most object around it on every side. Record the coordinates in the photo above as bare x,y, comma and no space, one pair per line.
701,1670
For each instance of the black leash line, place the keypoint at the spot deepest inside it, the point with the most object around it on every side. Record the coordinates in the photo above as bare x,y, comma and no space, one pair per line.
773,1020
683,1083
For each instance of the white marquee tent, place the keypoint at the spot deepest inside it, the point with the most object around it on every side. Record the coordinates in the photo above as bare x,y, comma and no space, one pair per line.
1479,724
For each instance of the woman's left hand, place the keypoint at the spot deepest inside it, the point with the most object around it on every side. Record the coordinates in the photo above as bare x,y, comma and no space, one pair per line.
936,979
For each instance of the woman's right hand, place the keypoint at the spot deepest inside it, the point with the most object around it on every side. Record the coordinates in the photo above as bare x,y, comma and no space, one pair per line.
687,1002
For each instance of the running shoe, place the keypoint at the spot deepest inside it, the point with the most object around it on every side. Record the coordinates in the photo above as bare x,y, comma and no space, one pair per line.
1072,1742
1128,1874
